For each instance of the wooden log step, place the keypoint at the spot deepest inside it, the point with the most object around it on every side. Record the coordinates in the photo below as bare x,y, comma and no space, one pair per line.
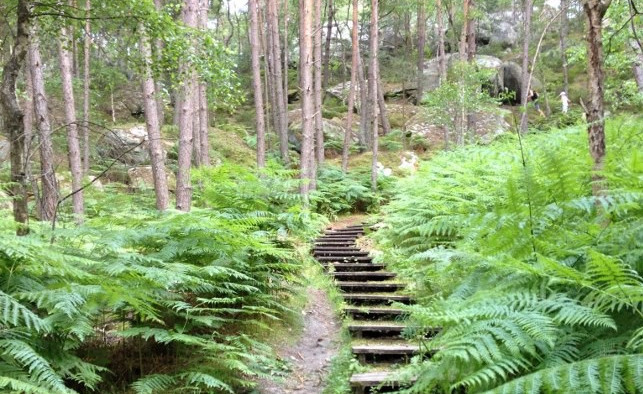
344,231
400,348
340,253
380,327
373,313
340,259
354,287
370,298
384,379
334,243
336,249
336,238
351,267
363,275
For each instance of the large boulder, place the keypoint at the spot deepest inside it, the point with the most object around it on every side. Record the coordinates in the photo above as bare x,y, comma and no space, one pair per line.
128,146
499,29
510,80
333,130
4,149
5,201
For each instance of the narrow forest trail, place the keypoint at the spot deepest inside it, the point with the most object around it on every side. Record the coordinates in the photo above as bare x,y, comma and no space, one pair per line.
369,291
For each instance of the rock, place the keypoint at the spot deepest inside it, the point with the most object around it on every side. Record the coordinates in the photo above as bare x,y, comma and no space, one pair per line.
510,80
142,178
96,183
340,92
333,130
498,29
4,149
133,141
409,162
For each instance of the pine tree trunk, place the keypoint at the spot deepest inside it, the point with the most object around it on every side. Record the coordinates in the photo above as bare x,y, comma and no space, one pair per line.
281,126
421,26
564,26
373,82
637,64
471,58
202,97
186,137
49,198
383,112
86,58
196,123
317,59
364,110
595,10
158,87
256,83
69,106
329,35
461,114
12,117
442,67
307,93
348,139
525,64
286,50
152,125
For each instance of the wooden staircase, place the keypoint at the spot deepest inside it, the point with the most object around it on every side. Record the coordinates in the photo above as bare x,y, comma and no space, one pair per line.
368,290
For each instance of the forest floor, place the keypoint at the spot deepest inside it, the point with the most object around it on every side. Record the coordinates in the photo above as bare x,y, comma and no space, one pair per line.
311,356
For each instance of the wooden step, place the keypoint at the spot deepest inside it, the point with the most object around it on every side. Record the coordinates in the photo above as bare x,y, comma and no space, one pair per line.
334,243
363,275
366,298
336,249
336,238
346,231
340,259
354,287
360,382
377,328
373,313
339,253
352,267
375,348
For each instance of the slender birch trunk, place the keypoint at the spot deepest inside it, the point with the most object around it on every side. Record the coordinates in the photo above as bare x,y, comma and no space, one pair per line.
525,64
256,83
152,125
69,106
348,139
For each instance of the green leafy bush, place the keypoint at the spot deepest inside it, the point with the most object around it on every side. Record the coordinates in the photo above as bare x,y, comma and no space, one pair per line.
535,283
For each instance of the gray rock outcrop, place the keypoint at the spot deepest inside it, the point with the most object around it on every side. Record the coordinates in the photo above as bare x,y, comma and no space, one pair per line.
128,146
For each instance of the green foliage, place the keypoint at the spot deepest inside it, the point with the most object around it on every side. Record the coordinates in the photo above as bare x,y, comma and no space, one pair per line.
165,302
535,283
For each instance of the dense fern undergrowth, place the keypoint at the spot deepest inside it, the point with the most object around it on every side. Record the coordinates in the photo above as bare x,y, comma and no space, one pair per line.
535,284
136,301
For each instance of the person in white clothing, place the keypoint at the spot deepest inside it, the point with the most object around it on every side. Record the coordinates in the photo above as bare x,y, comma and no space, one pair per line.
565,101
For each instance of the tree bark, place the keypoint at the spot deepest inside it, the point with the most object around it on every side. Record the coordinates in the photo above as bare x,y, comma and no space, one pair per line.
348,139
202,97
186,136
383,112
364,110
281,126
13,117
637,64
286,50
69,106
442,67
461,114
256,83
595,10
373,82
158,88
421,22
49,198
152,125
86,58
329,34
317,59
525,64
471,58
307,93
564,25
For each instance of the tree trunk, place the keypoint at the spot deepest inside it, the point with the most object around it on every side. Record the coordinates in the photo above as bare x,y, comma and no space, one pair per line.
158,87
381,104
307,93
317,59
364,110
421,22
461,113
348,139
49,198
13,118
281,126
637,64
471,58
152,125
256,84
69,106
442,67
183,182
564,25
86,57
286,49
373,79
202,97
196,123
525,64
595,10
329,34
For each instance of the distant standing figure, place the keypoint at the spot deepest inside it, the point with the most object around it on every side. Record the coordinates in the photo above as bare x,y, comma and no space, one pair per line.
565,101
533,96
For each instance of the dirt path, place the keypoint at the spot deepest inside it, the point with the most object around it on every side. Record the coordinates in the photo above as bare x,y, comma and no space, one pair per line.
310,357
